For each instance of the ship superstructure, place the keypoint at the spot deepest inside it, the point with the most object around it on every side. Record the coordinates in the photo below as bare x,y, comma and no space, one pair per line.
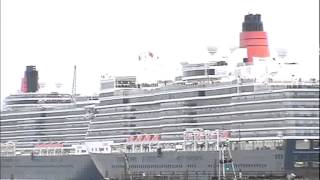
264,106
42,134
30,118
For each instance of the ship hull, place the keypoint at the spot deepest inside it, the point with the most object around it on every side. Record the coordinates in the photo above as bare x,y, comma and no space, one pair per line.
71,167
188,164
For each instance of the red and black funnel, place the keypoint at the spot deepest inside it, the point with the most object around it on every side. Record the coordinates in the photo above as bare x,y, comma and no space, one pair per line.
30,80
254,38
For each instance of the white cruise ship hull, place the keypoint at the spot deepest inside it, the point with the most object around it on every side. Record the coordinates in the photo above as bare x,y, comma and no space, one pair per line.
188,164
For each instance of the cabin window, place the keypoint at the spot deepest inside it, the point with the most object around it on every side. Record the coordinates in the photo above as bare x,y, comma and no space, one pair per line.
201,93
300,164
315,164
125,101
303,144
315,144
211,71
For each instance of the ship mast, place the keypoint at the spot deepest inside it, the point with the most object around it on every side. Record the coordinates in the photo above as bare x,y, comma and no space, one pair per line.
74,82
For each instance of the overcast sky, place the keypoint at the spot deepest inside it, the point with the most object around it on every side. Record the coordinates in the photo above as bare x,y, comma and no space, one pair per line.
101,36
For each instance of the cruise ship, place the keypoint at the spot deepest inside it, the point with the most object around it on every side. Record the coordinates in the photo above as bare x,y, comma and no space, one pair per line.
42,134
162,130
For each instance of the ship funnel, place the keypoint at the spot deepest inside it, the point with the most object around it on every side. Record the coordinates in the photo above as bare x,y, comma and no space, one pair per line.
282,53
30,80
253,38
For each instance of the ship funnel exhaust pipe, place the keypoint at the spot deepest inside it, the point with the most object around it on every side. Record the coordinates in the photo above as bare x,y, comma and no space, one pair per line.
30,80
253,38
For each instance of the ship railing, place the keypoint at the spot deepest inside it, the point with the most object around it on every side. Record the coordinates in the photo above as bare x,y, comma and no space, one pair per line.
259,86
58,151
37,95
164,146
8,149
46,151
137,147
213,174
176,87
36,107
194,140
186,145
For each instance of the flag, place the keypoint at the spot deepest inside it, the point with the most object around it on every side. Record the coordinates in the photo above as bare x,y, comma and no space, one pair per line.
147,55
150,54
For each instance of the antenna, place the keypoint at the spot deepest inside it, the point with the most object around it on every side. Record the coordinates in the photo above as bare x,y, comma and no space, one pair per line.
58,85
232,49
282,53
42,85
212,50
74,81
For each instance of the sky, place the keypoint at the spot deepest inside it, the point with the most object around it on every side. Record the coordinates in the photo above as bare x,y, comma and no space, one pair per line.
107,36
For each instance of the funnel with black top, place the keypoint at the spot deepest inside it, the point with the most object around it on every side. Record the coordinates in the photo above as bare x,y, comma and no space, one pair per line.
253,38
30,80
